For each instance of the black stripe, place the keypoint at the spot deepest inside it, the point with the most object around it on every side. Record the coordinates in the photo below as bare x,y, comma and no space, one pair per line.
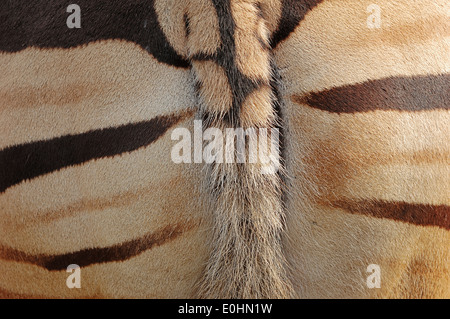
409,93
27,161
42,23
292,13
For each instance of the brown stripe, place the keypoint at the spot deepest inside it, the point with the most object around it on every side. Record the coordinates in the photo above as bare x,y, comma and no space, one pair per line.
414,93
417,214
123,199
5,294
90,256
30,96
293,12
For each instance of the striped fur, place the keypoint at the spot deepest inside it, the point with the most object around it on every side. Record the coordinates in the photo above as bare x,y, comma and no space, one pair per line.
246,259
86,177
367,149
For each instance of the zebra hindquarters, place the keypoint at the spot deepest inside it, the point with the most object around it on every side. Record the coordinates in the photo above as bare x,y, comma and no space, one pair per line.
368,151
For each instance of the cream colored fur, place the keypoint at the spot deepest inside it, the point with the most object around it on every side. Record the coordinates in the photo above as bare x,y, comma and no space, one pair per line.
240,238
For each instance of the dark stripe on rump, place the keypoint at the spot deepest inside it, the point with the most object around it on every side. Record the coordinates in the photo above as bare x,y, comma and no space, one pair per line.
90,256
5,294
292,12
27,161
42,23
414,93
417,214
